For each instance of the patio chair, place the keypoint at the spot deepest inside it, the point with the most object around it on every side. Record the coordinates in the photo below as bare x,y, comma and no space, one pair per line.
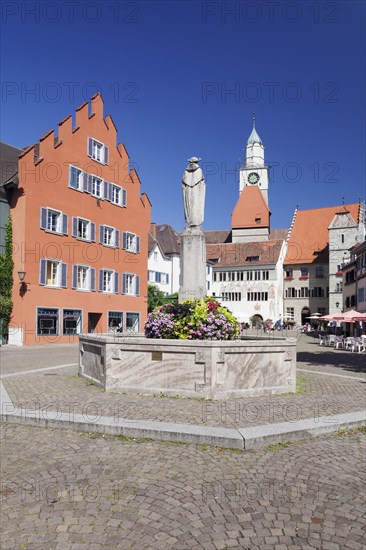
322,341
349,342
339,343
331,340
357,345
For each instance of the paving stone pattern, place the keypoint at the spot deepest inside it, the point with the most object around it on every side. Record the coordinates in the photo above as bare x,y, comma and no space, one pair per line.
61,390
64,490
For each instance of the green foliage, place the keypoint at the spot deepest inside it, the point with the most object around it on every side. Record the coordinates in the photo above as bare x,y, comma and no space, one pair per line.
6,279
155,297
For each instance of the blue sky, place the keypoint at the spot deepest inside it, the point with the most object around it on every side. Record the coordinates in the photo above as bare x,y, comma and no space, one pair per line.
182,78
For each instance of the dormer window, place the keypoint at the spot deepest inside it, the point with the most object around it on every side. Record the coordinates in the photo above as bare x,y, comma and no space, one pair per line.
97,151
252,259
258,220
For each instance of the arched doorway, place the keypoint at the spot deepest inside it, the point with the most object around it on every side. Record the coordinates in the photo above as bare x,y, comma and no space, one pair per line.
305,312
256,319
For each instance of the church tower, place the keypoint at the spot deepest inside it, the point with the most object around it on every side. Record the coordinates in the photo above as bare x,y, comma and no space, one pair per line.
250,220
254,172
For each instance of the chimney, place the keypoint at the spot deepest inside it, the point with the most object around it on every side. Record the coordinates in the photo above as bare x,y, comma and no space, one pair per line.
153,230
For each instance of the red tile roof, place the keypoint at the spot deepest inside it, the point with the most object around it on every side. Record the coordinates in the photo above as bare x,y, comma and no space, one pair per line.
242,254
251,210
309,238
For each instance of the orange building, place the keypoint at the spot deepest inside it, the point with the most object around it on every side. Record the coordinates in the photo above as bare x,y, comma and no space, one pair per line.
80,234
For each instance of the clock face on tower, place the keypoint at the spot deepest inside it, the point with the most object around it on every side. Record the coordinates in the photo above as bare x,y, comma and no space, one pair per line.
253,178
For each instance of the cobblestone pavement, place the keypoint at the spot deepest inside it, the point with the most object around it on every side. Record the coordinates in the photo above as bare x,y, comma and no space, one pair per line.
64,490
318,396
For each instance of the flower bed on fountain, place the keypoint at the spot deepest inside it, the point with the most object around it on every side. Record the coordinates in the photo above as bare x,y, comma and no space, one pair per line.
192,320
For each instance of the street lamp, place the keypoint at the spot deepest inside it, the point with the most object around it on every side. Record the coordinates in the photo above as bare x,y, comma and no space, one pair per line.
337,305
22,282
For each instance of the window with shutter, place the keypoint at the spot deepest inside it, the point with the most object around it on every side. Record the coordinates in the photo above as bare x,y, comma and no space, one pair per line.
109,236
131,242
76,177
116,194
98,151
83,278
130,284
108,281
97,187
52,273
53,221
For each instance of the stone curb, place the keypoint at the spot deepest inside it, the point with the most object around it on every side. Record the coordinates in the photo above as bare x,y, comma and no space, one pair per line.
309,427
183,433
241,438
